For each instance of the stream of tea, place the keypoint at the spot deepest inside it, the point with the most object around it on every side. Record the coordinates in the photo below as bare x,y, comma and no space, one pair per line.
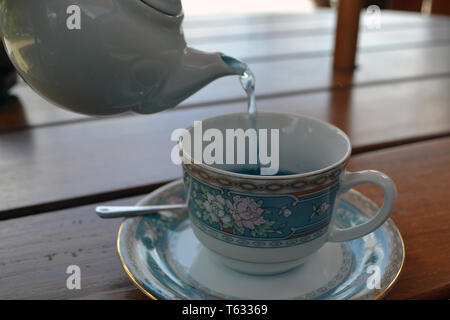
248,83
247,79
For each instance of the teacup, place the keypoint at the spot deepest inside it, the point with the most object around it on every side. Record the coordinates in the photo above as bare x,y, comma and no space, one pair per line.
269,224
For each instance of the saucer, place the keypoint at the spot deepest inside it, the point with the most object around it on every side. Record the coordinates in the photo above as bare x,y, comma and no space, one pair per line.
165,260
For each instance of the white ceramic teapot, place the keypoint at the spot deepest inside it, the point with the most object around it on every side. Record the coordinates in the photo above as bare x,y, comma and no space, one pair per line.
126,54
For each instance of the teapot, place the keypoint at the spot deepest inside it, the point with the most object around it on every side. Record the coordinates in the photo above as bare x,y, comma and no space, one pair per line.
124,55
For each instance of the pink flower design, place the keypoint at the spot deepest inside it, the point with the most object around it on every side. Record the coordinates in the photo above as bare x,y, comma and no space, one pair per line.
245,212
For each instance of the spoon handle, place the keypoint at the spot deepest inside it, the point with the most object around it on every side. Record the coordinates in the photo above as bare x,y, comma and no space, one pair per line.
109,212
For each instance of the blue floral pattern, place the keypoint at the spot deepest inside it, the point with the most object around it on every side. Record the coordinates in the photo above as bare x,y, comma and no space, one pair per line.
266,217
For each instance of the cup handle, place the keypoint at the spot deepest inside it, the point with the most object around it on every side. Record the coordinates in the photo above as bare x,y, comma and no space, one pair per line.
352,179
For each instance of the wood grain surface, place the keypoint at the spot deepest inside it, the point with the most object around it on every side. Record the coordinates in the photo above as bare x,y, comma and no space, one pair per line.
422,213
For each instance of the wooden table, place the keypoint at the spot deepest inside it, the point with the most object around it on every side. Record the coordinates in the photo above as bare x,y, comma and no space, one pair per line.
56,166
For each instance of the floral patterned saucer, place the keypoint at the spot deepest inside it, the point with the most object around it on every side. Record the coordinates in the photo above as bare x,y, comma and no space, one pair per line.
164,259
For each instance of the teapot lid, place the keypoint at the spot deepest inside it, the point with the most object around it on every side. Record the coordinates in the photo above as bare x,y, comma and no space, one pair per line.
169,7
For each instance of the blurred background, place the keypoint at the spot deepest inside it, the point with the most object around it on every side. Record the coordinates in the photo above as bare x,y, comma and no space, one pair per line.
204,7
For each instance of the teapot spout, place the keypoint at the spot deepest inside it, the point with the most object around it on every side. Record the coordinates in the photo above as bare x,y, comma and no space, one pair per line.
196,70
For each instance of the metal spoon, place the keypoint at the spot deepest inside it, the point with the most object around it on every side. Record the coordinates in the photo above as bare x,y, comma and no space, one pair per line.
109,212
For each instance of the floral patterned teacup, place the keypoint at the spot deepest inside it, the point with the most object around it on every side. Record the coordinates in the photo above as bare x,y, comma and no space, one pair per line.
269,224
